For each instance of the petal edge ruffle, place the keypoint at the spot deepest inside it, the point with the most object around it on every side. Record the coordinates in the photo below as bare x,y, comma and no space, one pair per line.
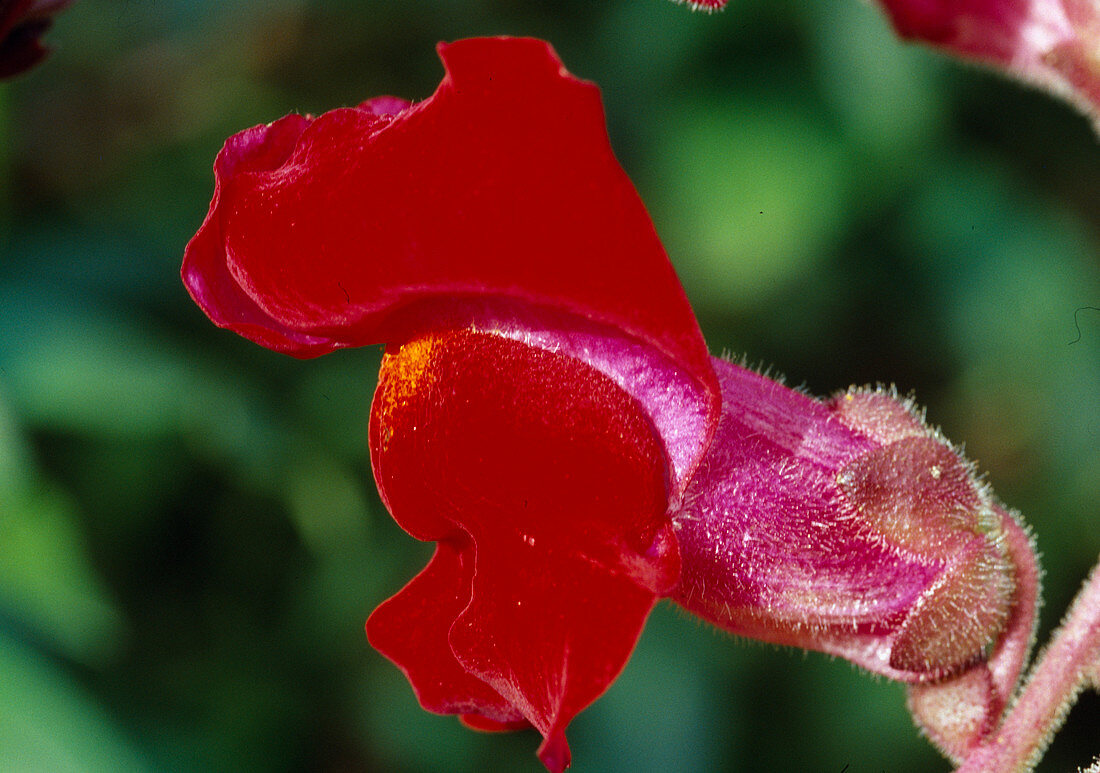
559,480
503,183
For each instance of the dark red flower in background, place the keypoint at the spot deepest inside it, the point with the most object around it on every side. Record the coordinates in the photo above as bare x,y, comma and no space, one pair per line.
548,414
22,23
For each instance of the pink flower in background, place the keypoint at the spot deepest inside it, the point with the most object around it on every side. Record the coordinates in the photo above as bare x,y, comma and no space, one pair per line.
547,414
22,23
1054,44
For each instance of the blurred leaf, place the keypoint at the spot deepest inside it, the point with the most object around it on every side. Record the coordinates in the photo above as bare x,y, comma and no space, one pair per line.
72,366
1013,272
46,580
334,395
80,369
921,223
410,739
888,94
658,714
47,723
328,507
753,194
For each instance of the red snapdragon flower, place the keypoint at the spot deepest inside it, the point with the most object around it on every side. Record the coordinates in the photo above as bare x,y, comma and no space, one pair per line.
548,414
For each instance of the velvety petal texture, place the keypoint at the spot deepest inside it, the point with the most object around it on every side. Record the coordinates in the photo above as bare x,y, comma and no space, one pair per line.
545,486
500,184
844,526
1054,44
958,712
677,404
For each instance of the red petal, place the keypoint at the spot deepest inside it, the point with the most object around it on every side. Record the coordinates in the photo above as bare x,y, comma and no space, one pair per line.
205,271
558,478
502,183
676,403
411,630
485,725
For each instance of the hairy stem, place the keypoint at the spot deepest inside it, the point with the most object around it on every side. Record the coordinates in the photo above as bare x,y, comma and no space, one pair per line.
1061,671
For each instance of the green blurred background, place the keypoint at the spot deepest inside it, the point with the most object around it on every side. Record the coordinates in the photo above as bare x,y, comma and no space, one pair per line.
190,539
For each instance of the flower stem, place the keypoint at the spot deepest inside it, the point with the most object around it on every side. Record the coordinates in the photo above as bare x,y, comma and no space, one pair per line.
1061,671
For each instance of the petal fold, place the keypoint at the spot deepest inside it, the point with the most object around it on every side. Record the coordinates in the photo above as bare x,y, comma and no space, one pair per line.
205,270
676,403
501,184
552,480
415,624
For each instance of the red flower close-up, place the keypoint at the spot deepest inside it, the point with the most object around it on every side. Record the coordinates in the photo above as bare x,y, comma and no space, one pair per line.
548,414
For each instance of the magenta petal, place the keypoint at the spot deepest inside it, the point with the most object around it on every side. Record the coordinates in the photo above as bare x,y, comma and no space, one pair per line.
704,5
758,533
1050,43
844,527
385,105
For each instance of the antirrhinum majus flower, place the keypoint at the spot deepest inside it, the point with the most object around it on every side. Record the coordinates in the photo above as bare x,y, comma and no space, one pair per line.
547,414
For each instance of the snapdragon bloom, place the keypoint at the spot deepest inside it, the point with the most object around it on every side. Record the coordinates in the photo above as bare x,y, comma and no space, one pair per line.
548,414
